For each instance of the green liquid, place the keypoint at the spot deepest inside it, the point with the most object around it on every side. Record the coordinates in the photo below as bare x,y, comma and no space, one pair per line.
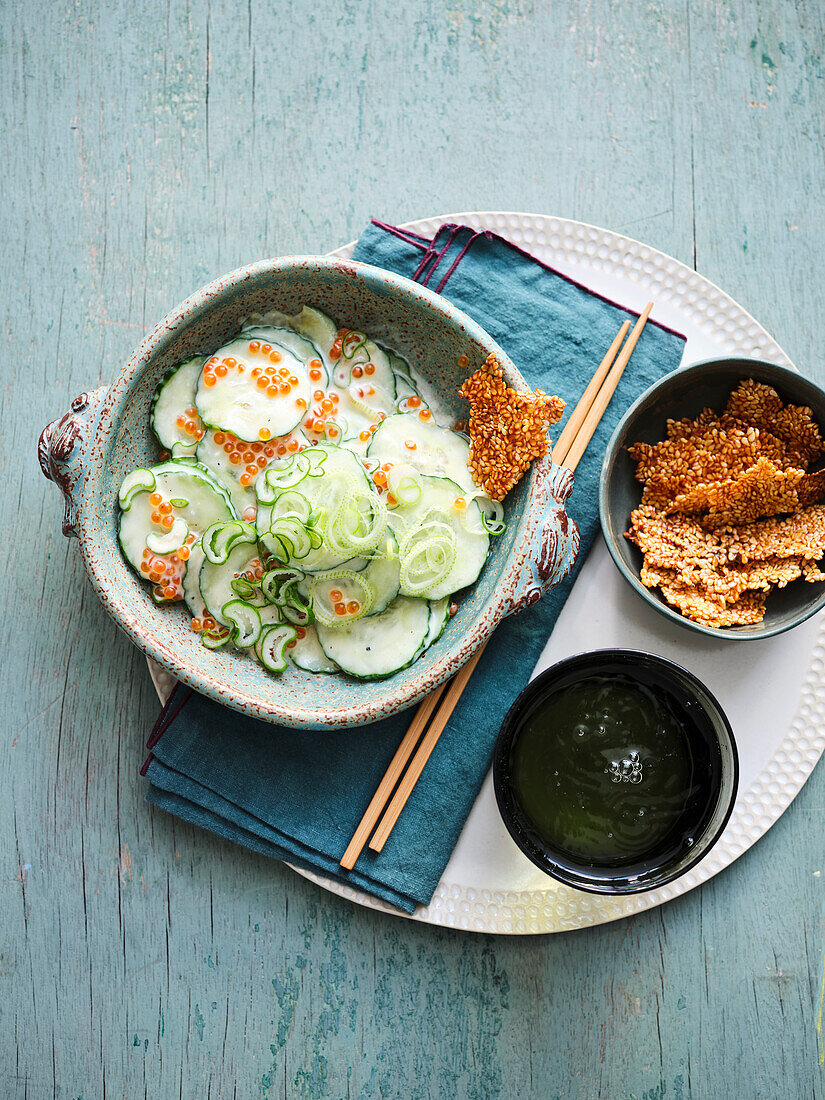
605,774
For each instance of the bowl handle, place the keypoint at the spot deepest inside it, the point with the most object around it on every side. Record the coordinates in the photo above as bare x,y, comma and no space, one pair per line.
551,540
62,452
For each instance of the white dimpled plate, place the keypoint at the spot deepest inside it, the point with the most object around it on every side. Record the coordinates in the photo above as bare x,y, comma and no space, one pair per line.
772,691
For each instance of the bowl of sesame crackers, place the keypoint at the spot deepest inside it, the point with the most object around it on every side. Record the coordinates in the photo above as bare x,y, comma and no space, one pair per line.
712,498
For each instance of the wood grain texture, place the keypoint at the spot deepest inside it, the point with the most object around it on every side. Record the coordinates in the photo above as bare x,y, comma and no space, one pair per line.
149,147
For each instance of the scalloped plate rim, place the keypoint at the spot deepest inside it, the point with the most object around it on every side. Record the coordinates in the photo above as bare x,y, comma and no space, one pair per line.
452,902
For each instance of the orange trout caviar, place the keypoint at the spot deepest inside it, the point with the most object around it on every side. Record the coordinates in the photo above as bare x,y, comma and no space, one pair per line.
357,372
264,434
340,609
413,402
336,596
425,414
196,625
353,607
369,368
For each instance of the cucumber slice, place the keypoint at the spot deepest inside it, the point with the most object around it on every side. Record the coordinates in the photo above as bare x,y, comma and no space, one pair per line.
191,581
216,580
383,574
199,502
307,654
244,621
404,383
439,617
234,402
437,451
435,526
380,645
310,322
299,345
367,386
174,394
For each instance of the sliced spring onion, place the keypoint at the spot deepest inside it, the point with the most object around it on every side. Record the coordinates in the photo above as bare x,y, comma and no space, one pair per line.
428,553
358,524
138,481
221,538
354,589
404,482
276,583
170,540
244,621
243,588
352,342
492,513
272,646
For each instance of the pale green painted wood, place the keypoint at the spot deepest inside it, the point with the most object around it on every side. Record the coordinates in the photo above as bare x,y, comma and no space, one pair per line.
149,147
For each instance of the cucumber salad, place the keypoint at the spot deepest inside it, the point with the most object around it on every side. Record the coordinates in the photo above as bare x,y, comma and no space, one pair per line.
309,509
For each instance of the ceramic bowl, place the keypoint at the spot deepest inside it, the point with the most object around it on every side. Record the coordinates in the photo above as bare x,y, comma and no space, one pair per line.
722,764
683,393
106,433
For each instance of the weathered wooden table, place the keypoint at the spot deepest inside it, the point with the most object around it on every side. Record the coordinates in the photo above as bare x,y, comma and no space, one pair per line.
148,148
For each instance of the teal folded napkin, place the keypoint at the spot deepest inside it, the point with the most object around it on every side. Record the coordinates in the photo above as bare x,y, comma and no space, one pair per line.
298,795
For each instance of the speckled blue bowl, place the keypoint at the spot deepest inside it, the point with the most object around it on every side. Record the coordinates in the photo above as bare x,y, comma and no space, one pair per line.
90,449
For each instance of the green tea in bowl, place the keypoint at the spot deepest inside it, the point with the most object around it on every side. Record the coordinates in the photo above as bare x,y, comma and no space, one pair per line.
615,771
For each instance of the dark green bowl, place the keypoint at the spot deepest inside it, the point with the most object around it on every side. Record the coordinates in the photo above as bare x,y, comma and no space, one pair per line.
686,392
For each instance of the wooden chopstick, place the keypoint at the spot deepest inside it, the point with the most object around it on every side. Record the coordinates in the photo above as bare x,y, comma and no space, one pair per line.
586,416
384,790
596,411
421,757
581,410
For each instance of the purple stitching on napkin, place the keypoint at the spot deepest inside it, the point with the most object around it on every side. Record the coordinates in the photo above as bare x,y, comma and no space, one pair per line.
489,235
405,234
457,261
171,709
433,256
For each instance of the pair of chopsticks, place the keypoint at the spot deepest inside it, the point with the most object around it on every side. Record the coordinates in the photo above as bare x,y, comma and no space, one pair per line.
568,451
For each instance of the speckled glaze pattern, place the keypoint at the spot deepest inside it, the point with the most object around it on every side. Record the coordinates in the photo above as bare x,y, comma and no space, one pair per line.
89,451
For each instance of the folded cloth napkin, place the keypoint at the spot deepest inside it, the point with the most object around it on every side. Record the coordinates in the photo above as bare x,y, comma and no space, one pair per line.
298,796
